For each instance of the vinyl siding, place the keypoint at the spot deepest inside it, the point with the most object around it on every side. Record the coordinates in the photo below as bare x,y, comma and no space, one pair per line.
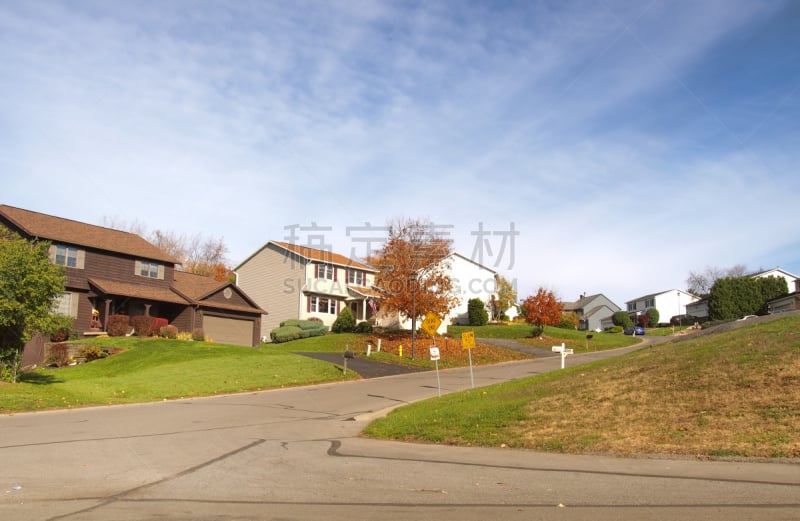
275,281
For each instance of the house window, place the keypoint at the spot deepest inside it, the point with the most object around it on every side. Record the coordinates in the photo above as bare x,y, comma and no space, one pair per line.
63,305
356,277
66,256
152,270
322,305
631,306
650,303
325,271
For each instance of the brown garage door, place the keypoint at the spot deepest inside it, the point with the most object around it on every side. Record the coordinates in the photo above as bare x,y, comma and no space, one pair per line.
229,330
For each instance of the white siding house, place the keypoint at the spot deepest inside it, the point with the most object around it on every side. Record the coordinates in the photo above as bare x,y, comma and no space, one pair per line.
668,303
470,280
790,278
302,283
699,309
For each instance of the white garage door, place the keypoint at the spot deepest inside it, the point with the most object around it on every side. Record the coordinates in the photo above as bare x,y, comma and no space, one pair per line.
229,330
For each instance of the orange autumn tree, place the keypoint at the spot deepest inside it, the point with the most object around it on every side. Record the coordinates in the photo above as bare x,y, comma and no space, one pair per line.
414,250
542,309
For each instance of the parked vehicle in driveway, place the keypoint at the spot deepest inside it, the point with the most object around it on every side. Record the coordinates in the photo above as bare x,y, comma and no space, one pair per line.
636,330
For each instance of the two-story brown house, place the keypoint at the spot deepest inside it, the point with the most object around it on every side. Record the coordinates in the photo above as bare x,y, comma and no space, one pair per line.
113,272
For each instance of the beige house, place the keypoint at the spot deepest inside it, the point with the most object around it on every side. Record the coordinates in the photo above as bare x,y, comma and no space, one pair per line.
301,283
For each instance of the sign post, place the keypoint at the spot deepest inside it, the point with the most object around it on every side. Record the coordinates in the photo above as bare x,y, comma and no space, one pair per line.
435,357
564,352
468,343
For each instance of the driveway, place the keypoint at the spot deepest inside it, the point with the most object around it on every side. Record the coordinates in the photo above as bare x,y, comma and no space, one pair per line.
363,365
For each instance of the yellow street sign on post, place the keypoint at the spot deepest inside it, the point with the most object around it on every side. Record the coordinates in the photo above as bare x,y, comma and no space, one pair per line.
468,340
431,323
468,343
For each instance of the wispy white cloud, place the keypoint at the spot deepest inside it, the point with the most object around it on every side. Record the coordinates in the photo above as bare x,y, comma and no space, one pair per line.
595,127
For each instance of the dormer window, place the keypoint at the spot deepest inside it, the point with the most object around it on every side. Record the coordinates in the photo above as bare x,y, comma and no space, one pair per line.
149,269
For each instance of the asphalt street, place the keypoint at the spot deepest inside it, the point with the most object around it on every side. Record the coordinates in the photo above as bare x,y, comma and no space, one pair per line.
296,454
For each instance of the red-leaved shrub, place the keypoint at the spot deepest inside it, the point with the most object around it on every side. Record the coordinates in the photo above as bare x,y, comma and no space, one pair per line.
118,325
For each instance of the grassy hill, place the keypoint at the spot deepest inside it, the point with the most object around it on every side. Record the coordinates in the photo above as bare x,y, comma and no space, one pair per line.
732,394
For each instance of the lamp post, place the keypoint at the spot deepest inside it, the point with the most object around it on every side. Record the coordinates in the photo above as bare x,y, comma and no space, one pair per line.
413,310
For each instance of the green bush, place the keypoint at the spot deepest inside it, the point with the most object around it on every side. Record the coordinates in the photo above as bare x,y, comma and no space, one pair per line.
621,318
293,329
91,352
285,334
61,328
312,325
118,325
363,328
653,315
345,322
615,329
476,312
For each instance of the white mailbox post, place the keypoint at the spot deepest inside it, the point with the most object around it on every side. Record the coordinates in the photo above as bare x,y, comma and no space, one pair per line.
564,352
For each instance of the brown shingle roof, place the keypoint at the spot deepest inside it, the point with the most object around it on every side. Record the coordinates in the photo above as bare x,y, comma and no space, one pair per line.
198,287
57,229
126,289
323,256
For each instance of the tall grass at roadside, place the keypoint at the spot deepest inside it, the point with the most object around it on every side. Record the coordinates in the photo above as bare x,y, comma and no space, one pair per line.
731,394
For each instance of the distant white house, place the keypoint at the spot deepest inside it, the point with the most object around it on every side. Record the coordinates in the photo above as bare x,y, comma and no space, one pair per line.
470,280
790,278
668,303
699,309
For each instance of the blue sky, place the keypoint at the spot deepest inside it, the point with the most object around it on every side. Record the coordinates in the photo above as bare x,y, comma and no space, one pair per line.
591,146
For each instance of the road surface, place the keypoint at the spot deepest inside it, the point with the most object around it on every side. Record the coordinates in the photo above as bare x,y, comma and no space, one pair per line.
296,454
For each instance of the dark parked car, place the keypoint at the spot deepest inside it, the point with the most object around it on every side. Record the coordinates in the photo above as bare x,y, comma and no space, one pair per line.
638,330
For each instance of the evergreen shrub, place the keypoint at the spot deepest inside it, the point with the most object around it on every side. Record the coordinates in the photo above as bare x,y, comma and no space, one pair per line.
345,322
363,328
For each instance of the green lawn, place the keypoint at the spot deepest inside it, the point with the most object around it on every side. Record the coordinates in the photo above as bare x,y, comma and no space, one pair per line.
152,369
552,336
729,394
157,369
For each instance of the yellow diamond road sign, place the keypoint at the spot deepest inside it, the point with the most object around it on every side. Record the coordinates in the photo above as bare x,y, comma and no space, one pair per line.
431,323
468,340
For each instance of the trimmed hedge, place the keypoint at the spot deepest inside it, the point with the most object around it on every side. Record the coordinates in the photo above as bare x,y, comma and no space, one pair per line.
143,325
295,329
118,325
